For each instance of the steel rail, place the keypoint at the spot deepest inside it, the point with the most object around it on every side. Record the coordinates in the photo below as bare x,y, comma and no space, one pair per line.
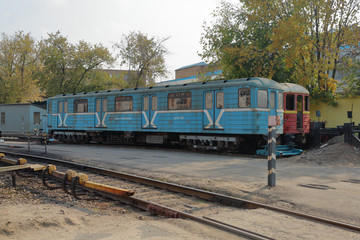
206,195
124,196
170,212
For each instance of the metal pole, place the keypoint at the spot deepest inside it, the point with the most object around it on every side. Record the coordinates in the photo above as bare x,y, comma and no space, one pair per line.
271,156
45,138
28,137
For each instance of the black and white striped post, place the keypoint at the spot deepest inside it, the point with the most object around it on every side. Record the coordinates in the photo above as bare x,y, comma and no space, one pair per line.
273,121
271,156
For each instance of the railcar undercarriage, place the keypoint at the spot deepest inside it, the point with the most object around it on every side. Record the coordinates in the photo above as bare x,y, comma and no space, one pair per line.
238,143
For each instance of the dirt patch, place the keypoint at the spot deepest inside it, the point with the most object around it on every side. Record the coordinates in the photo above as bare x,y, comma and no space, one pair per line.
31,211
335,152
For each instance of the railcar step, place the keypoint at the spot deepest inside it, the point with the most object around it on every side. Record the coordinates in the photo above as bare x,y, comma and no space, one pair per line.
281,150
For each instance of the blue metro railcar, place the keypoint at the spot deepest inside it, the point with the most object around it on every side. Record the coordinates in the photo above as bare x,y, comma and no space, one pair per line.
214,114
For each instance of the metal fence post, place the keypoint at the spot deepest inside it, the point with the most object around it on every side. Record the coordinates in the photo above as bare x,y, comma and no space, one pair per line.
28,138
347,132
271,156
45,142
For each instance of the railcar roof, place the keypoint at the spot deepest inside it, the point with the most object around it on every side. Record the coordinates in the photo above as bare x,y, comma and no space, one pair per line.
251,82
294,88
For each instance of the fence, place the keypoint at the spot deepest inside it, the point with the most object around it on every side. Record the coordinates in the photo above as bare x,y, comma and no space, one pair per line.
350,132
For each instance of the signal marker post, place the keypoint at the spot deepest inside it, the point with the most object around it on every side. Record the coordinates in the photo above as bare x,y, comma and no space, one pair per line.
273,121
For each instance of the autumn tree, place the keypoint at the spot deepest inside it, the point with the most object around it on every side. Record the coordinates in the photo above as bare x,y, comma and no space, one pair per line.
240,46
144,56
19,63
300,41
69,67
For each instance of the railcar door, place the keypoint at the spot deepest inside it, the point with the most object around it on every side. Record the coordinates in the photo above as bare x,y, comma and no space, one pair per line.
299,109
62,111
213,110
100,111
149,108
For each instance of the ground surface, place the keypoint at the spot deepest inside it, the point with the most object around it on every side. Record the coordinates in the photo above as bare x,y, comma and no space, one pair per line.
315,182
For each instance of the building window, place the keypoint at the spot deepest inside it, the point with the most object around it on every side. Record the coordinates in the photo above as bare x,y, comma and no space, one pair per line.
179,101
80,105
2,118
37,118
219,100
290,102
262,99
272,99
244,98
154,103
123,103
280,100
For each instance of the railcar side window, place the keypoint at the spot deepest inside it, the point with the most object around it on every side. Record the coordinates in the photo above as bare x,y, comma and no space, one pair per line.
2,118
36,118
154,103
123,103
307,103
65,107
280,100
179,101
208,100
272,99
146,103
262,99
98,105
80,105
219,100
244,97
50,107
60,107
290,102
105,103
299,103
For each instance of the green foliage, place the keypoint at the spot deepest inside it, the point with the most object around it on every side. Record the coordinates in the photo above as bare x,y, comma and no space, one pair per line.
18,64
351,82
67,67
287,40
144,57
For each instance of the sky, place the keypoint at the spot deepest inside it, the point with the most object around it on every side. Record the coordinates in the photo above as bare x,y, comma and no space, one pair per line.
106,21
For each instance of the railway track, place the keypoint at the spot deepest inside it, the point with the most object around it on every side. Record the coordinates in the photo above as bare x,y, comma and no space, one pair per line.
186,205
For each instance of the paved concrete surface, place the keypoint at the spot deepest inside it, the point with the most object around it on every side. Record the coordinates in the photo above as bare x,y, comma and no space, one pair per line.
227,167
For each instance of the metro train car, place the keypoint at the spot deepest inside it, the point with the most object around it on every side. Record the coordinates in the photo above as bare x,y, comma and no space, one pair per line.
225,114
296,113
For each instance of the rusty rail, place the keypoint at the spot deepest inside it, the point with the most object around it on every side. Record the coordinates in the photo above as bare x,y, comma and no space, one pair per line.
202,194
82,179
